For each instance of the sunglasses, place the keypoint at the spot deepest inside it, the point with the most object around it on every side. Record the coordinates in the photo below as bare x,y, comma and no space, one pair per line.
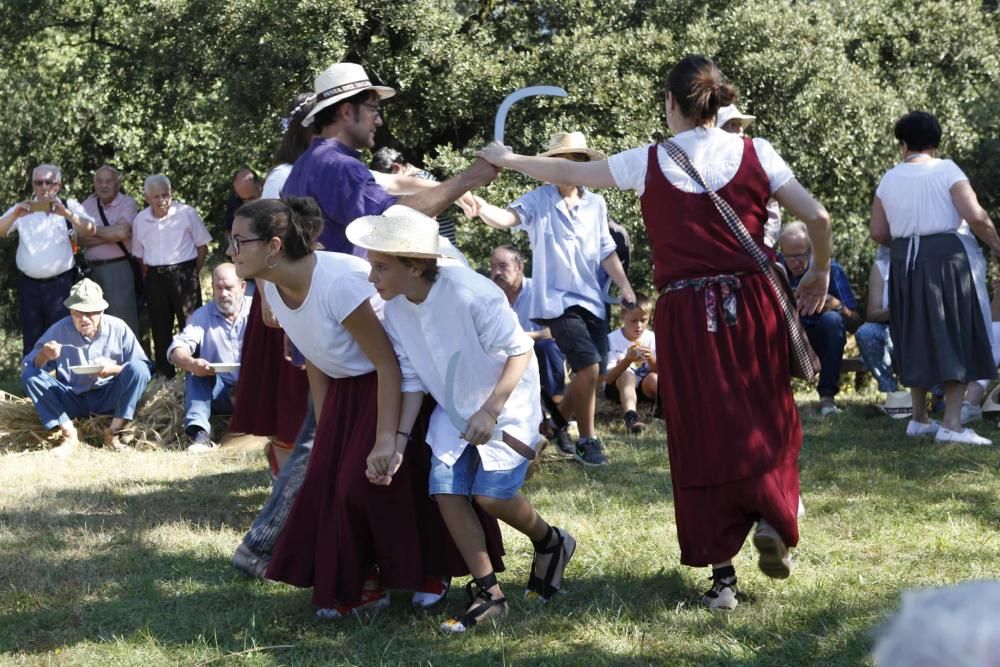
40,183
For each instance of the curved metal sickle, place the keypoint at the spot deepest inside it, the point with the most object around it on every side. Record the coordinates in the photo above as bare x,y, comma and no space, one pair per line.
517,96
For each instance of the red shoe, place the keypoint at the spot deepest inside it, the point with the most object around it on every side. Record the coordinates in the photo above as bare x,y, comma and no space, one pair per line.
431,592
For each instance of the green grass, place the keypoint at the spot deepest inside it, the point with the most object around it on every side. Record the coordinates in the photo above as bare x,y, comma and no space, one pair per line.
122,559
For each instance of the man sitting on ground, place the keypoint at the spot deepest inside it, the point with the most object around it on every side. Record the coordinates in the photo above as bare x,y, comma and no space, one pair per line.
100,368
213,335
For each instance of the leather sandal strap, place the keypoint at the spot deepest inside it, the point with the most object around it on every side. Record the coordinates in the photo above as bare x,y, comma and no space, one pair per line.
471,617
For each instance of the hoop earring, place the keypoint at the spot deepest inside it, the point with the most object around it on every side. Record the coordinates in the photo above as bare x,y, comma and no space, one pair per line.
271,267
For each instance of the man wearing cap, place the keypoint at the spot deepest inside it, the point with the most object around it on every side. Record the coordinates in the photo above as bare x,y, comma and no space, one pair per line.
109,250
732,120
347,115
45,227
214,333
568,229
100,368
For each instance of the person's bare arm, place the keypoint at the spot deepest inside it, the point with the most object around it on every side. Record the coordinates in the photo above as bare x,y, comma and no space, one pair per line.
483,423
812,290
494,216
116,233
18,211
967,204
878,223
613,265
319,384
202,253
555,170
433,201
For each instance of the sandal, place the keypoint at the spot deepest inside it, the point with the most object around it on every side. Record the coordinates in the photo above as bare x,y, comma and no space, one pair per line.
474,614
563,549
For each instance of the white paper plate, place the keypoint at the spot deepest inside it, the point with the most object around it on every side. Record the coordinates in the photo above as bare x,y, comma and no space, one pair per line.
225,368
86,370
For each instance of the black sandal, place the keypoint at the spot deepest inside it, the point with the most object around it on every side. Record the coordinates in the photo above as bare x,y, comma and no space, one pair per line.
477,589
564,548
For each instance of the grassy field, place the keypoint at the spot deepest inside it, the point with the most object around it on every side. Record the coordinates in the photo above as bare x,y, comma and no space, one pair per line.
123,559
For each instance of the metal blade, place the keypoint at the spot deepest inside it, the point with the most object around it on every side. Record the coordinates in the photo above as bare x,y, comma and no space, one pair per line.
516,96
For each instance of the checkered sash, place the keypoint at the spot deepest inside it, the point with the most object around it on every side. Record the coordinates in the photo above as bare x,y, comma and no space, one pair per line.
802,362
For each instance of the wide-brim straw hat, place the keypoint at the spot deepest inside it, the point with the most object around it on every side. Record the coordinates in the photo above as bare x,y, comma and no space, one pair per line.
86,297
732,112
898,404
571,143
339,82
992,402
398,231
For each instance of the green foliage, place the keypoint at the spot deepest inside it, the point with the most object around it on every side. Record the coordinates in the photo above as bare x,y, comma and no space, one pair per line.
194,88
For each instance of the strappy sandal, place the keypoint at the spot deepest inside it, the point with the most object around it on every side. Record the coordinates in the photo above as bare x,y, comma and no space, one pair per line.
562,550
477,589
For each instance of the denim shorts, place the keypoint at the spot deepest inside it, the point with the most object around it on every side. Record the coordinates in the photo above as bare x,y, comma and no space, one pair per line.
468,478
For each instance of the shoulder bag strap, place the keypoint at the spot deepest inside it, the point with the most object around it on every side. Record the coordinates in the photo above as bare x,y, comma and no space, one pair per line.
736,226
104,219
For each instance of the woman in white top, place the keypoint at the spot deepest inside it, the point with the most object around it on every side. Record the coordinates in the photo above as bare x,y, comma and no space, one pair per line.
924,208
721,340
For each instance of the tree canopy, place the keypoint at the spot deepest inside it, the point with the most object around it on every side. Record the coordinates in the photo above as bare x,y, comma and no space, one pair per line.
195,88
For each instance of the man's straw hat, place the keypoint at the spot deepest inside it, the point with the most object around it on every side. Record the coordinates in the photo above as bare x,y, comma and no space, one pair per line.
87,297
398,231
571,143
898,404
339,82
731,112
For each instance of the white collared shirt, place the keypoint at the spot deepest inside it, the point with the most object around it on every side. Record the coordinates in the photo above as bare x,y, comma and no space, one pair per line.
44,249
172,239
466,313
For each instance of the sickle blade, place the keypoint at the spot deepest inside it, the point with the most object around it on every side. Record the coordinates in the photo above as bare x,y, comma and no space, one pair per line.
517,96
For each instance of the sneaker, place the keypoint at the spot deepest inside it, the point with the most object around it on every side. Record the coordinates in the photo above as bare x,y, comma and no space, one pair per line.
370,600
970,413
632,422
431,592
248,562
722,595
563,441
802,509
964,437
590,452
774,561
199,442
916,429
828,408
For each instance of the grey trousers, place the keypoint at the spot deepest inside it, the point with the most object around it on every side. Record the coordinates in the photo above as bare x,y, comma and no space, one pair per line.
266,528
119,291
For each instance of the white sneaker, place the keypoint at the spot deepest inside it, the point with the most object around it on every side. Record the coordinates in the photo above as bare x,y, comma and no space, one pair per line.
970,413
802,509
774,560
427,599
916,429
828,408
964,437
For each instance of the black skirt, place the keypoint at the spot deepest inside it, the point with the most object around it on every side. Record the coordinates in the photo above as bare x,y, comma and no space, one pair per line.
937,326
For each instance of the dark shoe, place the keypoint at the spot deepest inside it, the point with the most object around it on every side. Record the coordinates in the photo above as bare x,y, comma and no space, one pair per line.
199,442
559,554
563,441
590,452
722,595
632,422
249,563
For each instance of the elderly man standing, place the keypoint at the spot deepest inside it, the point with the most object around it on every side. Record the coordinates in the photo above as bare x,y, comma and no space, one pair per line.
100,368
827,331
347,115
109,251
45,228
213,335
172,241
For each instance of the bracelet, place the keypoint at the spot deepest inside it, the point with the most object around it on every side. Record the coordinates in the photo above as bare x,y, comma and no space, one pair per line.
489,413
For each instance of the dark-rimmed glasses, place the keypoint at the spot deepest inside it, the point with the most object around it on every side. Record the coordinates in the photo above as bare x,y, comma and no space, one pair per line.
235,243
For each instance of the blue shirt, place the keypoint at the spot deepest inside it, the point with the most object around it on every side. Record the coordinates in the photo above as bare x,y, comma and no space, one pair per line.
114,344
210,336
840,288
521,305
567,248
333,175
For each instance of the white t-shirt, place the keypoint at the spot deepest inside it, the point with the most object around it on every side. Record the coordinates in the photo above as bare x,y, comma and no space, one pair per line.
275,181
715,153
916,197
44,249
339,285
618,345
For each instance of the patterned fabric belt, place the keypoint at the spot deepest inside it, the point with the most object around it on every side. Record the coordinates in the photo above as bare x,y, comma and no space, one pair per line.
726,286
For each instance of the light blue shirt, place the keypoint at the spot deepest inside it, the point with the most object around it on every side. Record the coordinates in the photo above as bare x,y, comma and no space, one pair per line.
567,248
521,305
114,344
210,336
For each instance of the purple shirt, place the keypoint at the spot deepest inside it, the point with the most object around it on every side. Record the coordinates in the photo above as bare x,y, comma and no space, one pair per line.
334,175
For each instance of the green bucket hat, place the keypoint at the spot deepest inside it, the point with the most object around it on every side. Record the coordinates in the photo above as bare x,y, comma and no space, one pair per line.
87,297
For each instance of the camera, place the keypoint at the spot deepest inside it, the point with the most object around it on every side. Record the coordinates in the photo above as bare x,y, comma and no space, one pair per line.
41,206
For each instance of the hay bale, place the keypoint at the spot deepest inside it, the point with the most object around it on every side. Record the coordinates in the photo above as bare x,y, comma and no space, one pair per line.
159,421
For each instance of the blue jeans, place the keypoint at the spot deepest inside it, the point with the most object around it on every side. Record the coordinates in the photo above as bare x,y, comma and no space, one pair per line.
41,305
551,367
57,404
875,345
828,336
205,395
270,521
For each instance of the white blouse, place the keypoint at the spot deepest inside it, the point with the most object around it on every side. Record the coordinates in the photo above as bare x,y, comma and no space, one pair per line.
715,153
916,197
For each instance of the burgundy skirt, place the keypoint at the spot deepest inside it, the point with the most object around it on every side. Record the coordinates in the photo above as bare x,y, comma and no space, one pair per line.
342,526
271,393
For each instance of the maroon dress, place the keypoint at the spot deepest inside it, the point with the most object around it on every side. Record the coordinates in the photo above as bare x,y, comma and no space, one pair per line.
733,431
341,525
271,393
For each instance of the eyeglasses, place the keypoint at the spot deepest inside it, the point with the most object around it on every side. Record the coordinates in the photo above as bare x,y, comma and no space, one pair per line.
40,183
799,258
374,107
235,243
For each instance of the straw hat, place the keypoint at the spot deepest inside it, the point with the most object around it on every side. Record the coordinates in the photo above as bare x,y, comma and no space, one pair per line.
87,297
398,231
992,402
731,112
898,404
339,82
571,143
